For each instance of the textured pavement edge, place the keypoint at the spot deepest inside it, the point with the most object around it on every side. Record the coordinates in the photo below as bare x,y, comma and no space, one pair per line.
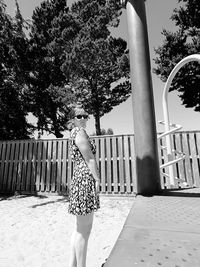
161,230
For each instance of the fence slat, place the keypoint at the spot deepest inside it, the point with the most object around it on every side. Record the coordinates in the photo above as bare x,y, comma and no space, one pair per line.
29,163
20,165
33,167
69,167
114,158
166,169
108,170
48,169
15,167
181,168
127,166
175,166
3,164
161,161
193,150
133,164
1,146
164,160
121,164
64,166
6,168
24,167
198,151
10,170
59,166
38,170
188,169
97,149
44,164
102,171
53,169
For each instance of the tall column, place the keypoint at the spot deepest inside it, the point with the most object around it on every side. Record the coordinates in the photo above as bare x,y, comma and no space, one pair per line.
147,164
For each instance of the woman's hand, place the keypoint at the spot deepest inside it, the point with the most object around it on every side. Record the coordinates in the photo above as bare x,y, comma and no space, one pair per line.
97,185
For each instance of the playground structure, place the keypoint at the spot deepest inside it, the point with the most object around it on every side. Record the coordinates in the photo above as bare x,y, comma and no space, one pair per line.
143,232
144,238
147,170
144,158
174,156
171,128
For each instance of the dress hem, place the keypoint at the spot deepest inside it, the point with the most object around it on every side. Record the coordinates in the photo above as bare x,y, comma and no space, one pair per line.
96,209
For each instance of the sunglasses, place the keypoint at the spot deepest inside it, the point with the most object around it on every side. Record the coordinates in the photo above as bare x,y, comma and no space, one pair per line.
82,117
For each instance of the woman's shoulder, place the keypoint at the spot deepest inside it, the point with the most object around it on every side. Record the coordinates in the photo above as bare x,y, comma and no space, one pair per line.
82,132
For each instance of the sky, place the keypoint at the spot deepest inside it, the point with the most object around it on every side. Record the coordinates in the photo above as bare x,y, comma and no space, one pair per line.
120,119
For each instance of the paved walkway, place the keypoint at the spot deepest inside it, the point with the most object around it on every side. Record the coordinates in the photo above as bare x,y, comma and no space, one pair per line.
162,230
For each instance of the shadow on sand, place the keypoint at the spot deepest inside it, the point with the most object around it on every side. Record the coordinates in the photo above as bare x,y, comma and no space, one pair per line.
18,195
182,192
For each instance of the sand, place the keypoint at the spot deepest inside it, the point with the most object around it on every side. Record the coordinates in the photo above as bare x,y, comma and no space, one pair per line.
35,231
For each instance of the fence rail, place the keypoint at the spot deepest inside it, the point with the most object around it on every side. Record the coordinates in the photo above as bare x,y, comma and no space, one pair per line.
45,165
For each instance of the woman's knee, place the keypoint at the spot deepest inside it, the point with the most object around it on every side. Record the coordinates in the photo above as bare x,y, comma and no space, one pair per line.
84,224
84,228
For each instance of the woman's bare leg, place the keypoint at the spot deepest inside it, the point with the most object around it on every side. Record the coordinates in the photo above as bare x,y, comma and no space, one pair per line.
72,258
83,229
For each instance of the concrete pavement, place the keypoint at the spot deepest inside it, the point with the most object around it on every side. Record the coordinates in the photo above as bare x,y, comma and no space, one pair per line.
161,230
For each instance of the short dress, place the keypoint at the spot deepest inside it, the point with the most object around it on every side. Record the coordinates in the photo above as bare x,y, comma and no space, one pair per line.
83,197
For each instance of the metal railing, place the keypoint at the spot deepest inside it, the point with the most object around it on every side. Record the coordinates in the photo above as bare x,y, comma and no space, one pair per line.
166,121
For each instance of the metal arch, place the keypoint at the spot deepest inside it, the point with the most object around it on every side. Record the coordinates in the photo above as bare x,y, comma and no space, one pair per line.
168,131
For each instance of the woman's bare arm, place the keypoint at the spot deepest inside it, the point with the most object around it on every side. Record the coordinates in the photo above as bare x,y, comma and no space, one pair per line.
83,144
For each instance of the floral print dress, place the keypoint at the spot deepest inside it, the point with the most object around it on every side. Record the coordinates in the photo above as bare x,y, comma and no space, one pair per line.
83,198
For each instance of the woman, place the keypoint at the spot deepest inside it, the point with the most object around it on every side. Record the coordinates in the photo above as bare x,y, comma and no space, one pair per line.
84,188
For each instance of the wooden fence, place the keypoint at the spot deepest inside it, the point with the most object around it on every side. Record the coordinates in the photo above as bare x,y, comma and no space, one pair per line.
187,170
33,166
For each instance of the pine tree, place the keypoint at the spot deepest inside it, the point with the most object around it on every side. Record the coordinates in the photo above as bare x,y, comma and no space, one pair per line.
177,45
66,47
110,131
13,63
97,64
51,98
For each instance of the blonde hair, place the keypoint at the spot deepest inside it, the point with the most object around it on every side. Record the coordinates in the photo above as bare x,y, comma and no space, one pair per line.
78,109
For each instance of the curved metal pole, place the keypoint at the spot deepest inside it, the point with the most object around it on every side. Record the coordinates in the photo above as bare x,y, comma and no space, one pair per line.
195,57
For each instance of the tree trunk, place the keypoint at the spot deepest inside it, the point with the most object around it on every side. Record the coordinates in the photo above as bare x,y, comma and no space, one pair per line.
96,107
56,126
97,124
58,133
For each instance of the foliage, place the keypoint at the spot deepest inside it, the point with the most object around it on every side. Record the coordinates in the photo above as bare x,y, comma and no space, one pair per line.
13,72
110,131
104,132
51,98
176,46
70,55
95,61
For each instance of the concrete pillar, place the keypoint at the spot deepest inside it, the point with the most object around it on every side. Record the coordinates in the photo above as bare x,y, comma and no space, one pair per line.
147,164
